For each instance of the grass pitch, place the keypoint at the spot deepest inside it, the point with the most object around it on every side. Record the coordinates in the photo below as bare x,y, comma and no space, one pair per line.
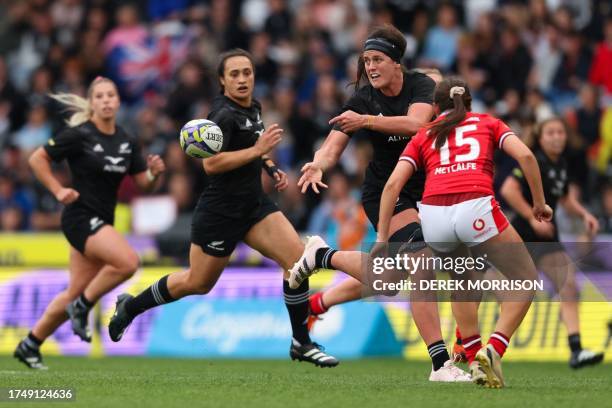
146,382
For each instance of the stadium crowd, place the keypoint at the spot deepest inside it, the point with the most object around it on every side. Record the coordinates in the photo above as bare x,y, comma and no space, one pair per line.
524,61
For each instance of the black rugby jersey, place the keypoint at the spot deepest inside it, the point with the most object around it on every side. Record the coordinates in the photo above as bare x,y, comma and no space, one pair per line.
554,179
98,162
416,88
241,187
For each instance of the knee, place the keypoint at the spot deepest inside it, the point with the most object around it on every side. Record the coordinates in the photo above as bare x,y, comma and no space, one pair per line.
130,265
569,291
197,286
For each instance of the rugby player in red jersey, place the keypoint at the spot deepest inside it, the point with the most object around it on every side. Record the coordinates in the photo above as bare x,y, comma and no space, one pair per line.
459,207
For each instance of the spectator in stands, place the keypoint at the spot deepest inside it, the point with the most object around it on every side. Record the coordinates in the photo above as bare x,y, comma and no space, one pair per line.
15,203
441,41
602,61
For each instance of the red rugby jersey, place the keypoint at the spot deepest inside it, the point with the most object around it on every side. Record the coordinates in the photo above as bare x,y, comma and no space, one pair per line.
465,163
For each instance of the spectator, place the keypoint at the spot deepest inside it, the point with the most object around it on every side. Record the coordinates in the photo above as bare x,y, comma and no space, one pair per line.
340,217
600,73
35,132
15,204
441,41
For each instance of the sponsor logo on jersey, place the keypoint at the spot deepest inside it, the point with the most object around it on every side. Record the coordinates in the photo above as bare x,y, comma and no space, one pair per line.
397,138
124,148
114,160
248,124
98,148
114,167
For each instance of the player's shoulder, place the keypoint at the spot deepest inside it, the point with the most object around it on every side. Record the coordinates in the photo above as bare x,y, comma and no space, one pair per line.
484,119
364,92
221,110
125,135
415,78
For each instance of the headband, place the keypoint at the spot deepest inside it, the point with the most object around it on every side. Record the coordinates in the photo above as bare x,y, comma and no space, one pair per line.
384,46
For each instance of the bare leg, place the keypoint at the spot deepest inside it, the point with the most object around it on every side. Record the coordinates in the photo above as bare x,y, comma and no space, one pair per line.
119,259
82,271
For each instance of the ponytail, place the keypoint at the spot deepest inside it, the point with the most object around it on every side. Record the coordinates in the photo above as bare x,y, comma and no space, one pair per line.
453,98
80,106
77,104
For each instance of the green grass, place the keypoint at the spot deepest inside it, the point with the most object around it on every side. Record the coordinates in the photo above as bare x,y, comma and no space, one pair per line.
144,382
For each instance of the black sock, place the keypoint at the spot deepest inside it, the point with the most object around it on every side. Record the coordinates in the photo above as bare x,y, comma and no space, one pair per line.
83,302
155,295
323,258
32,342
438,353
297,304
574,342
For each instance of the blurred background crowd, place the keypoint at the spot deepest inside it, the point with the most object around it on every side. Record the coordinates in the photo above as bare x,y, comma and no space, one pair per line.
523,60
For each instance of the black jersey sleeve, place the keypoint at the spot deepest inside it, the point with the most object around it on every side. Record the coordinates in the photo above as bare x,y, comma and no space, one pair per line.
227,124
423,89
138,163
65,144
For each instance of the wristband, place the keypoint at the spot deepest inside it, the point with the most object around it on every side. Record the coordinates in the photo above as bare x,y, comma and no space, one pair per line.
271,170
150,175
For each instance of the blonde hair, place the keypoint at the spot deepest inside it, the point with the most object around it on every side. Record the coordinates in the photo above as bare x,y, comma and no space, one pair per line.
79,105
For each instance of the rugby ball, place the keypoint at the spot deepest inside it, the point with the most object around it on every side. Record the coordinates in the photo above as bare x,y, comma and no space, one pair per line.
201,138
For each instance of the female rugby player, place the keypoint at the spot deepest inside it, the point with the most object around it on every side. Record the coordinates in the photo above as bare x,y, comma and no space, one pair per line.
458,206
100,154
233,207
389,109
551,140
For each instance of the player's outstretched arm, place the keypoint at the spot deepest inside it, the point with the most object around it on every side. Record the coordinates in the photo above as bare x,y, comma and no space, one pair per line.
325,158
40,163
226,161
401,174
418,115
516,149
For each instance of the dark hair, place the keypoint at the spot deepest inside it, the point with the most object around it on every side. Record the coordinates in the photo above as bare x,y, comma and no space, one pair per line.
388,33
234,52
457,106
539,129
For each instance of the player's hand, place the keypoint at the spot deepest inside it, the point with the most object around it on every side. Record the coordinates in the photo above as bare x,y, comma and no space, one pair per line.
349,121
590,224
67,195
268,139
379,250
542,212
282,181
155,164
311,177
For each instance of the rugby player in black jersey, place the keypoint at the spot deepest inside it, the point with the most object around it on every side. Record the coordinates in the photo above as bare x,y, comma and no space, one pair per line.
234,208
100,154
388,110
551,139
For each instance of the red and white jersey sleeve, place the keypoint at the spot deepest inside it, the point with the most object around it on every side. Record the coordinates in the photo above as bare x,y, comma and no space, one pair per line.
412,151
464,164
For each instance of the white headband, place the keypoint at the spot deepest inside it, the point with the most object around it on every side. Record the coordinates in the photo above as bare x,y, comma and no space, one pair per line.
456,90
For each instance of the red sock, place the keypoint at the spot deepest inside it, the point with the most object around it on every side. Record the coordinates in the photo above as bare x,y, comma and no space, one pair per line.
458,335
471,345
499,341
316,304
